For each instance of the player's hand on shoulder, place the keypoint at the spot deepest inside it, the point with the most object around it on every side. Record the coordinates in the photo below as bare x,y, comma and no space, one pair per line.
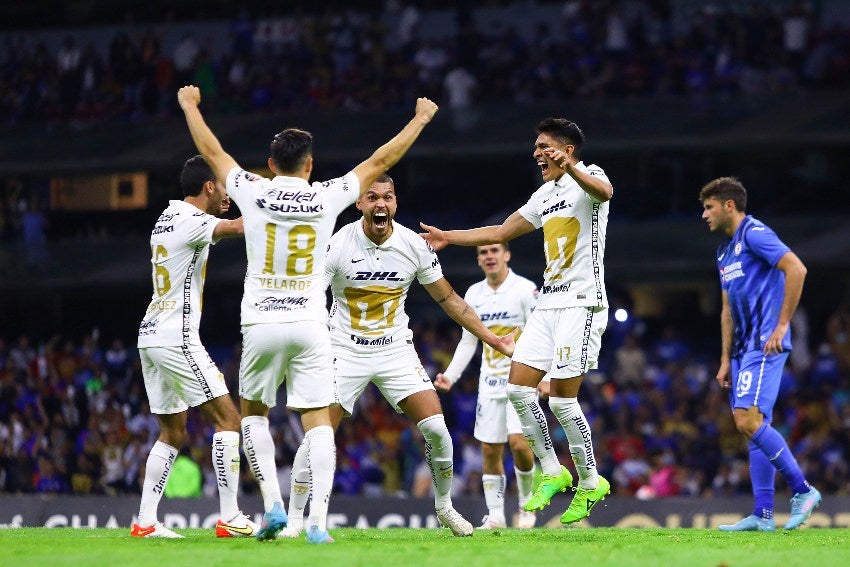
442,383
189,96
426,109
435,237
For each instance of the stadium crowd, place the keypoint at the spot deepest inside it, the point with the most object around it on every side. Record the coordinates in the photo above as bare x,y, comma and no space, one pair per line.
358,60
74,419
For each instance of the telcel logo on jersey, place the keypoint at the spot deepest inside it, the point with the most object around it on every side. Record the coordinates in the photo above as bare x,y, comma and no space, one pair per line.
380,341
372,276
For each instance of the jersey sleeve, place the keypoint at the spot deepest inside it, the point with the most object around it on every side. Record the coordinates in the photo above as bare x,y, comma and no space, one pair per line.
530,211
462,357
199,228
429,269
240,184
596,171
765,244
340,192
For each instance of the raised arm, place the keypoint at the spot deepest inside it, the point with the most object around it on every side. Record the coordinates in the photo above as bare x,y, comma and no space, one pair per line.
795,274
207,144
514,226
464,352
388,155
460,311
229,229
596,187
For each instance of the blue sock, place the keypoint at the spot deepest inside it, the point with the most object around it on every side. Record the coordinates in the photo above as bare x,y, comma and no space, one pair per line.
771,443
762,476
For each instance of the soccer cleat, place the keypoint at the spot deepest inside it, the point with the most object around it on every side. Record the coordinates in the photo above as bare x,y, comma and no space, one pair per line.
549,486
450,518
240,526
314,535
156,530
293,528
526,520
802,506
584,500
491,522
273,521
749,524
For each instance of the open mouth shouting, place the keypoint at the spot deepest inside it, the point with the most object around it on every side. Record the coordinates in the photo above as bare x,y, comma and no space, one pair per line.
380,220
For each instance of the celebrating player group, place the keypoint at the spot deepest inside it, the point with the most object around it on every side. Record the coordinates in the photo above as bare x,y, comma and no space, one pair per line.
534,341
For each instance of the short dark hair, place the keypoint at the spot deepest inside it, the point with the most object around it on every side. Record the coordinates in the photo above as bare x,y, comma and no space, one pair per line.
290,149
564,131
384,178
725,189
195,173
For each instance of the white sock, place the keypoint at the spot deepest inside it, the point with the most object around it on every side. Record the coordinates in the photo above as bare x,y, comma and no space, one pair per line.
259,449
439,455
494,494
534,426
299,493
524,484
569,414
321,456
225,460
157,469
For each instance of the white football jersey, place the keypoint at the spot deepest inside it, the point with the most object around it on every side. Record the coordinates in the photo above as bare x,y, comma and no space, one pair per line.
502,310
288,223
574,226
369,285
180,245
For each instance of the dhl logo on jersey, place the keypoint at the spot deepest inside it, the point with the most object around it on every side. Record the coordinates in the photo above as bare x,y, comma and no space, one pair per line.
376,276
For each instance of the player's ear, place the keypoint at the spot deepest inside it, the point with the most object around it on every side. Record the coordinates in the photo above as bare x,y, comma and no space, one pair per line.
507,255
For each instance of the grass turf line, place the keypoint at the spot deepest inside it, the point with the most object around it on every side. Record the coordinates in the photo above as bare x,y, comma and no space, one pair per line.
597,547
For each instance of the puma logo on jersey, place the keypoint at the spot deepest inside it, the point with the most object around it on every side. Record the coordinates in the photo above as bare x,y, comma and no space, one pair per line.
373,276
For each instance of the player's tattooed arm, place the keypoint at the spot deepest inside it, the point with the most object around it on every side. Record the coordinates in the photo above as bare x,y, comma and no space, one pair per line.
460,311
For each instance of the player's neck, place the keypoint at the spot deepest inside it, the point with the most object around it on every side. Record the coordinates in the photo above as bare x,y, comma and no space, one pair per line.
496,280
198,202
735,221
377,239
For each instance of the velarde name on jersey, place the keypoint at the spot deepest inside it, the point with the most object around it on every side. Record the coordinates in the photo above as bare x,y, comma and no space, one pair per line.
376,276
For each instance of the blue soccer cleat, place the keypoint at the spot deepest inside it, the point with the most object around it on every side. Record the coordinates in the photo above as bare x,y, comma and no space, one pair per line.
273,521
749,524
314,535
802,506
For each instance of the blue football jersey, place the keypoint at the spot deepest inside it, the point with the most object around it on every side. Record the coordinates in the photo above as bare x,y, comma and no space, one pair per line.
755,288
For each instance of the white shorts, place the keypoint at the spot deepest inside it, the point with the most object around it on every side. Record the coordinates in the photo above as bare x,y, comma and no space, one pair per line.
177,378
495,419
563,342
397,375
298,352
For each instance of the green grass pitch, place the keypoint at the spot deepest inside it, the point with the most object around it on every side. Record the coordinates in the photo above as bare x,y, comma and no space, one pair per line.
543,547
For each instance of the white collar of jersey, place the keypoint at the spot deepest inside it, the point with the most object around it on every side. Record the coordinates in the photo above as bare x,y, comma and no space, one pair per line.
289,180
368,244
566,178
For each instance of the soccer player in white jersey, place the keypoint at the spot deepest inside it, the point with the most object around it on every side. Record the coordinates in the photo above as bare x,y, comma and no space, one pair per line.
503,300
562,336
177,370
288,223
370,267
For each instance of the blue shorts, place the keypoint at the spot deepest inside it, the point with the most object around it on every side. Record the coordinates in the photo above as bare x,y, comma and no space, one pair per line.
755,381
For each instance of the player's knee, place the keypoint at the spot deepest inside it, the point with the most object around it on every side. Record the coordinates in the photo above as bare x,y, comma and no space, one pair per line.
747,424
434,429
173,435
518,394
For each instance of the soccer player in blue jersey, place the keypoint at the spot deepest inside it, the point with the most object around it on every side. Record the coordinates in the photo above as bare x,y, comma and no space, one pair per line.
761,281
